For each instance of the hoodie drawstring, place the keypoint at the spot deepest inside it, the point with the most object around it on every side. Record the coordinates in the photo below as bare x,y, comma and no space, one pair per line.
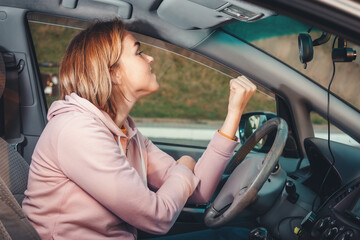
142,161
120,146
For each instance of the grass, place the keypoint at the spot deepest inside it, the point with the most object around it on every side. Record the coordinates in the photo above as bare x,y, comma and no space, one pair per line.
50,42
50,100
190,90
317,119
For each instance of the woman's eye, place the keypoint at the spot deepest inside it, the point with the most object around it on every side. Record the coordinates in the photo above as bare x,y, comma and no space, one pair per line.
139,53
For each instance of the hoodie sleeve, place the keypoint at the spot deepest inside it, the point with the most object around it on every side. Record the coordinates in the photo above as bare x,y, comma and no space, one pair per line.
208,169
89,156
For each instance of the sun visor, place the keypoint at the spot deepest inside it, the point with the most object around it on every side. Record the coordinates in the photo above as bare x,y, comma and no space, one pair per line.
202,14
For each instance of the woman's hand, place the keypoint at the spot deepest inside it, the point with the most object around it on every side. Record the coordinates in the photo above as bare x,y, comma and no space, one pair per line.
187,161
241,90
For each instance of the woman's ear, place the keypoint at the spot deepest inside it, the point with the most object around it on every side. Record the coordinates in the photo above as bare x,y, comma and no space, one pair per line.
116,78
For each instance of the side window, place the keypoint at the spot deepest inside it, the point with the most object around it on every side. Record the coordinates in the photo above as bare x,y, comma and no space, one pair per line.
321,131
50,42
191,103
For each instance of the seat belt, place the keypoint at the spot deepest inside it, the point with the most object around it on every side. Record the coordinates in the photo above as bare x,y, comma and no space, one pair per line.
11,100
2,87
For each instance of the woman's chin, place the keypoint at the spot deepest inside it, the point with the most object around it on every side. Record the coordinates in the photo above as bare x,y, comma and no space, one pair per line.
155,85
154,88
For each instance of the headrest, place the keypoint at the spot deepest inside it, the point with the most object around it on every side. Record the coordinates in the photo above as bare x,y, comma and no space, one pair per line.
2,75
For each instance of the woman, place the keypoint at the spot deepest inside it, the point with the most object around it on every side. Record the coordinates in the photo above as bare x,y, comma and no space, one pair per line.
93,175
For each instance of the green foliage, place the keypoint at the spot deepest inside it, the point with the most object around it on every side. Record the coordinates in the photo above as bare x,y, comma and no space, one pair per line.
50,41
50,100
317,119
190,90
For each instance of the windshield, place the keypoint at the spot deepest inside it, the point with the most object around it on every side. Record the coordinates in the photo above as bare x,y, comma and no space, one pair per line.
278,36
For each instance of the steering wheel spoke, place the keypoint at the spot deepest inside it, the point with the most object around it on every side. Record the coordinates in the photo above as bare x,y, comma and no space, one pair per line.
247,175
241,179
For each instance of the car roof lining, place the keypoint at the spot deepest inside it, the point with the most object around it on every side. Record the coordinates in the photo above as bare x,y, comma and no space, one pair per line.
202,14
152,17
319,14
144,10
144,21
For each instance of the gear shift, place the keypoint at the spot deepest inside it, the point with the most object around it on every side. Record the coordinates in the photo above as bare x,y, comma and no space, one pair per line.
259,233
290,189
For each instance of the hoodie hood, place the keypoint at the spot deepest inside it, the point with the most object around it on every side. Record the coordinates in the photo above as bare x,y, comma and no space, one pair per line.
74,103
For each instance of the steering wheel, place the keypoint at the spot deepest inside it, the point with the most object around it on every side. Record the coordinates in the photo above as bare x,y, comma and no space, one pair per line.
247,177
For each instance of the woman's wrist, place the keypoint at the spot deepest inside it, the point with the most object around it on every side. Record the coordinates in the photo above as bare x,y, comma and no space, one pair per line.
234,113
231,124
234,138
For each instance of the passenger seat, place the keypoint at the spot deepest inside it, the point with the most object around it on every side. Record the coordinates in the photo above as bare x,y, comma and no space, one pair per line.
14,172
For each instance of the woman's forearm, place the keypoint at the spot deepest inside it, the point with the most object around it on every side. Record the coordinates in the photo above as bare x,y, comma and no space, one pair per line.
231,124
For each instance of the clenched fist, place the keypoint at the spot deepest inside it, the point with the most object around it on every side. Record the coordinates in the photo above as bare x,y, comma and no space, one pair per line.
241,90
187,161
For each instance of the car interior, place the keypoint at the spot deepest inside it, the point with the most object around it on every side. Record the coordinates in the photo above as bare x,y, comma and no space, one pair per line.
306,187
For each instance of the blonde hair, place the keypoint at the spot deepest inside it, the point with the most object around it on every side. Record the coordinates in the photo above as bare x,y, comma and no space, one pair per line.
85,69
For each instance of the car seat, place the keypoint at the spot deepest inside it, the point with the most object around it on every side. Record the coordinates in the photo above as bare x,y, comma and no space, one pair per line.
14,172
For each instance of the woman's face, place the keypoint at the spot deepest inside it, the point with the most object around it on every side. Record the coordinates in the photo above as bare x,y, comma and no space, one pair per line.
134,76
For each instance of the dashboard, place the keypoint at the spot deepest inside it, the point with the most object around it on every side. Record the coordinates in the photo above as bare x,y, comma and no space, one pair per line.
339,217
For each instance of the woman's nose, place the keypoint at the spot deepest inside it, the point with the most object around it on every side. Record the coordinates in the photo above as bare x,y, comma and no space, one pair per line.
150,59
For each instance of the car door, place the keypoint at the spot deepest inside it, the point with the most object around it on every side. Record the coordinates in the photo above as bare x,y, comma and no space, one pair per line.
15,39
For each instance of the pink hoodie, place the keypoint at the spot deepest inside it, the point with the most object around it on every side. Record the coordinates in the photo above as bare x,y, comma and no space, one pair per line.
83,185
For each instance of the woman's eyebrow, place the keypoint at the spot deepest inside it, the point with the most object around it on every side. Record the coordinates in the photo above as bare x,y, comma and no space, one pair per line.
137,44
